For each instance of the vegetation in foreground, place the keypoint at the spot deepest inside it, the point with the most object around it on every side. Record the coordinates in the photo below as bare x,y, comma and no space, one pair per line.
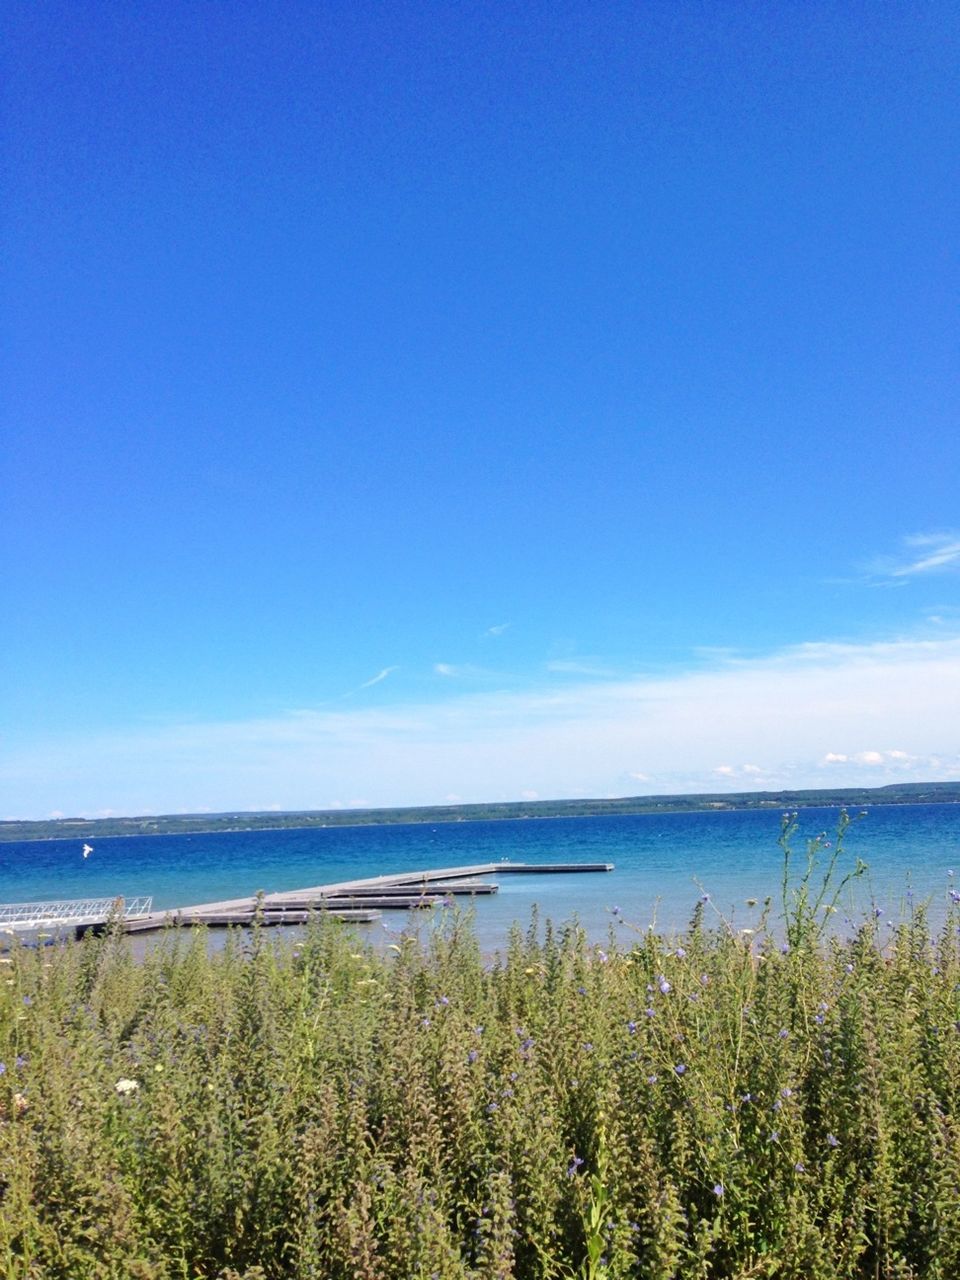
718,1105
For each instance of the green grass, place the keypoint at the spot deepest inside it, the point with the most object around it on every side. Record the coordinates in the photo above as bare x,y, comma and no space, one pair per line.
711,1106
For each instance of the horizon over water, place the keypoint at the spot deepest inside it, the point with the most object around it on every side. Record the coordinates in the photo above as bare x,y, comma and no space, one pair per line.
663,863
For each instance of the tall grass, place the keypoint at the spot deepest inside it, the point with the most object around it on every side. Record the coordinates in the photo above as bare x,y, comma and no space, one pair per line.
709,1106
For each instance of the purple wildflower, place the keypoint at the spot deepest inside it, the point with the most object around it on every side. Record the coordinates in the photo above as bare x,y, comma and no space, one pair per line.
664,985
680,1068
800,1167
442,1000
473,1055
680,953
832,1141
782,1033
651,1079
574,1165
632,1028
718,1190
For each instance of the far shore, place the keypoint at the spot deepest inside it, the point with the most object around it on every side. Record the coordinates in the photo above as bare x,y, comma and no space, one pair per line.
217,823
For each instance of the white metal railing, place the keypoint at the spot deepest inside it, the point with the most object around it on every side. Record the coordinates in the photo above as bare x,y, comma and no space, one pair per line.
34,915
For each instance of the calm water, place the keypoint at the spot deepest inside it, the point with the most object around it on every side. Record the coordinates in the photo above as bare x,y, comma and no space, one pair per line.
663,863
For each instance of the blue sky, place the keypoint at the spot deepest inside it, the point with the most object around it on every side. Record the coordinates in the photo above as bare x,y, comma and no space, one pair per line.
406,402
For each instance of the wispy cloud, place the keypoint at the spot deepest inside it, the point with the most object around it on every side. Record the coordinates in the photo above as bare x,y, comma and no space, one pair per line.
491,633
813,714
920,555
381,675
578,667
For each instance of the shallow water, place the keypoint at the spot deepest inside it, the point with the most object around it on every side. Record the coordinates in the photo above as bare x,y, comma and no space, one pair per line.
664,862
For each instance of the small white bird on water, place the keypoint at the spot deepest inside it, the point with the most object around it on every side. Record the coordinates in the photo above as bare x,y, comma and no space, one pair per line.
87,850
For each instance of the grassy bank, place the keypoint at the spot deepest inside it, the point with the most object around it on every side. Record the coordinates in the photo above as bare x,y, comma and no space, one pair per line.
719,1105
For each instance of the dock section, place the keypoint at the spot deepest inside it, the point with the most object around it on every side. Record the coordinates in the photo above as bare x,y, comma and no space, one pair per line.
359,901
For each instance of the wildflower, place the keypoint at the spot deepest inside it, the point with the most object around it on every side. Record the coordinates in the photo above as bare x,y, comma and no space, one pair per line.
704,979
800,1167
704,897
784,950
632,1028
527,1044
680,1068
954,896
424,1022
664,985
718,1190
491,1107
126,1086
574,1165
3,1068
614,911
774,1135
651,1079
680,953
601,956
787,1093
832,1141
581,991
783,1033
28,1001
651,1013
878,912
20,1062
443,1000
588,1046
473,1055
478,1031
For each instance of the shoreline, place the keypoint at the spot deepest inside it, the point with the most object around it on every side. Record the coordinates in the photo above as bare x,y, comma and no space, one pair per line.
506,811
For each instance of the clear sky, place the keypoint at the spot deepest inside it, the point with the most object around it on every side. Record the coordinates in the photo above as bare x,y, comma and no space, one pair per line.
416,401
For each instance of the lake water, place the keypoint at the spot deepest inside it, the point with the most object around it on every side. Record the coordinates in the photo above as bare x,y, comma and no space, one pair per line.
663,862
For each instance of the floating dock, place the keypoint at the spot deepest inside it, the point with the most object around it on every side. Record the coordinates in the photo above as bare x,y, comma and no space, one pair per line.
360,901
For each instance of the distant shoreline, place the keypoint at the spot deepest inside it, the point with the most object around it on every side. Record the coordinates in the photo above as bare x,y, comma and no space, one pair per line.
306,820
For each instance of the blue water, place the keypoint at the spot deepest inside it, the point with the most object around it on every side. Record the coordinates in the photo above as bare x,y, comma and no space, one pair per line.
663,863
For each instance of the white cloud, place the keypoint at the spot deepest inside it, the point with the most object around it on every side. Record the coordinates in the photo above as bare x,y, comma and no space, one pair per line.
639,777
725,770
491,633
817,713
529,795
381,675
921,554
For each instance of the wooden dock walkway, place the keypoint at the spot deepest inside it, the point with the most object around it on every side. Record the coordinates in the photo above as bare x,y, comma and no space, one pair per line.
360,901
